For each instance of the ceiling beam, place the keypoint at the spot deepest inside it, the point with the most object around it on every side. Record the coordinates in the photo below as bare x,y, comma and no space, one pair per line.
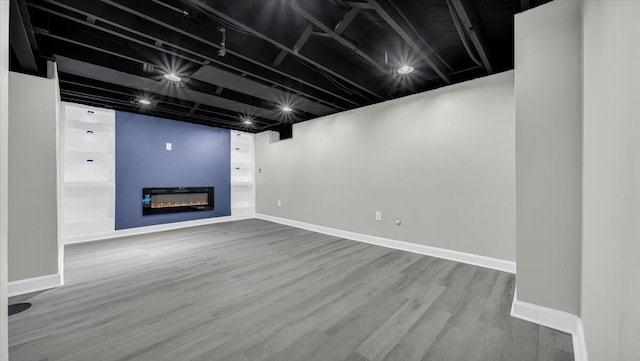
306,34
361,5
385,10
84,8
244,27
463,35
471,22
346,20
344,42
77,97
418,35
107,75
194,108
225,79
22,42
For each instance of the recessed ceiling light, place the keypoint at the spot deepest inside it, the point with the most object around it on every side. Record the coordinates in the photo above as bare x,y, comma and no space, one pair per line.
144,101
172,77
247,122
405,69
287,108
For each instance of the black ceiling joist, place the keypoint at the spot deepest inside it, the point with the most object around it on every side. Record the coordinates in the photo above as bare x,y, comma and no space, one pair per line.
305,54
426,44
22,39
123,99
219,14
344,42
467,13
463,35
108,75
384,10
306,34
83,8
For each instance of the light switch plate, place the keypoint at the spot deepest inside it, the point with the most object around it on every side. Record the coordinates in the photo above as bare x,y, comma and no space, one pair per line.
168,146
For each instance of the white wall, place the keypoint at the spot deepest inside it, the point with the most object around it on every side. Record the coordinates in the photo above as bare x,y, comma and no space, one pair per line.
33,191
611,215
442,161
4,124
548,100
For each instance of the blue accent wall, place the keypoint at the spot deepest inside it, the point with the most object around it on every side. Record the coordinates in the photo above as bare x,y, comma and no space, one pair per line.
200,157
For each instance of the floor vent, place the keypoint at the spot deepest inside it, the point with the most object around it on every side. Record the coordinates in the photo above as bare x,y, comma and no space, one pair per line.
18,307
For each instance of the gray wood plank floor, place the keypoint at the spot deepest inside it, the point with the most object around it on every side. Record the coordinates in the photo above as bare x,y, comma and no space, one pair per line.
255,290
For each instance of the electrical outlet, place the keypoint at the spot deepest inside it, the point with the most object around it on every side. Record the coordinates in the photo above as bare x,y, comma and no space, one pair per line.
279,203
168,146
378,216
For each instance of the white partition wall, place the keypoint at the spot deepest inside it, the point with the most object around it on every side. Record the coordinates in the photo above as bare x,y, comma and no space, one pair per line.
88,162
242,173
4,162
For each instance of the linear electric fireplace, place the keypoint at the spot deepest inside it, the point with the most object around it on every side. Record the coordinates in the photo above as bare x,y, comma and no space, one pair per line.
176,199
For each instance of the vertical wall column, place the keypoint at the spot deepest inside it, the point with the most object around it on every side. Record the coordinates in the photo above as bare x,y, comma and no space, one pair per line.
611,231
33,184
4,140
548,96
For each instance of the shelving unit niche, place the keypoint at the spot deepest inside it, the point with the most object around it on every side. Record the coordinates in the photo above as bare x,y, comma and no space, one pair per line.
242,173
88,170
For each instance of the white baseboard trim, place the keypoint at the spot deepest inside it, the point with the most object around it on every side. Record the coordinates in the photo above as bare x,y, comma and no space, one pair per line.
558,320
579,343
155,228
21,287
472,259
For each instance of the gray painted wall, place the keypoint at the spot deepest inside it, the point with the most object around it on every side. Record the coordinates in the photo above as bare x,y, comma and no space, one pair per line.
442,161
33,222
4,123
611,230
548,97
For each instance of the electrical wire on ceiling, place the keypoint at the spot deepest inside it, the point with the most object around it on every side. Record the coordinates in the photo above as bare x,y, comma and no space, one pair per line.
330,78
223,22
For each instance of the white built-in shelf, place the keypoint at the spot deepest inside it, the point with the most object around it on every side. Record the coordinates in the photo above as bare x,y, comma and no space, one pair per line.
88,170
89,184
242,173
242,183
242,165
239,210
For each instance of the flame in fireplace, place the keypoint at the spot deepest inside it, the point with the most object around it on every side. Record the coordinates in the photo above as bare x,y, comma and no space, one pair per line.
179,204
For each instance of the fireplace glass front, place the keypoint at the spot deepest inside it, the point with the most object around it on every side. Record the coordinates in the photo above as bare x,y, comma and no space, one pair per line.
176,199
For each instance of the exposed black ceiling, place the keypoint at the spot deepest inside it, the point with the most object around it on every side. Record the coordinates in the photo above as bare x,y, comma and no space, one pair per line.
316,56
